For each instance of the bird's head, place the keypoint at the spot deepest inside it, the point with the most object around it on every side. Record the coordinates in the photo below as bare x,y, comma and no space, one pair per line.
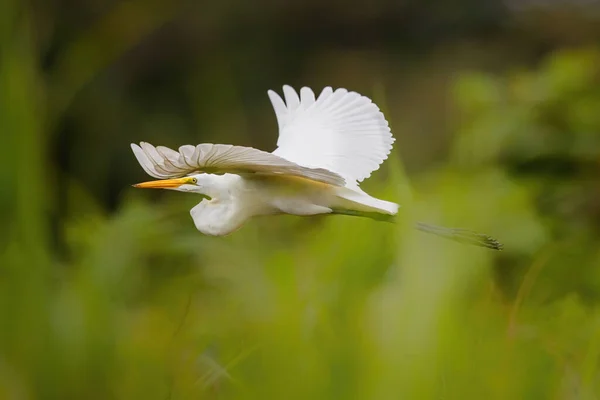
199,183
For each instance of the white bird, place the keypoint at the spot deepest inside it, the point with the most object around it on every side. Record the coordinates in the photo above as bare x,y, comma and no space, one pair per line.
327,145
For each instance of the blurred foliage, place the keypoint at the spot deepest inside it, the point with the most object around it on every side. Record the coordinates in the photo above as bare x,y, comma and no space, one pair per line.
107,292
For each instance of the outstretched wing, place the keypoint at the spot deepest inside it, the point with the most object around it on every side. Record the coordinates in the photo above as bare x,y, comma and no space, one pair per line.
162,162
341,131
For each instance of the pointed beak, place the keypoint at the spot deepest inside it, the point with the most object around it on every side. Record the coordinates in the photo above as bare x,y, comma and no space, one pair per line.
163,184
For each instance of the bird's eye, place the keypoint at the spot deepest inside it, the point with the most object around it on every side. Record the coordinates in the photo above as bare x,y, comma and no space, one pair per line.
194,180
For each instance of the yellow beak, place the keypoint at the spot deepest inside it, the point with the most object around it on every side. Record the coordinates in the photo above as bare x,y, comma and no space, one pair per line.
163,184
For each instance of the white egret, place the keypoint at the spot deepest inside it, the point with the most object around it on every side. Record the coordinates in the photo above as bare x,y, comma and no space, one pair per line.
327,145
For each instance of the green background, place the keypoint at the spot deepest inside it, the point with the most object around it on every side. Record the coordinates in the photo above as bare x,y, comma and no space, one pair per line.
107,292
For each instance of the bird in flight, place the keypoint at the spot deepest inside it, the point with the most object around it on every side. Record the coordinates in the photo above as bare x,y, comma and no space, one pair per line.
327,145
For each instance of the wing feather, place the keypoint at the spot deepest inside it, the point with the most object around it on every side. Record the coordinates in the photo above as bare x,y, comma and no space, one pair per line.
340,131
162,162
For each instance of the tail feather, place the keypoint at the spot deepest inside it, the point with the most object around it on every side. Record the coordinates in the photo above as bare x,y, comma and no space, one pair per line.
357,199
456,234
367,214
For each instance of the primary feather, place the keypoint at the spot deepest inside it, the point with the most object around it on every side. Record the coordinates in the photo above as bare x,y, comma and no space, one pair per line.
162,162
341,131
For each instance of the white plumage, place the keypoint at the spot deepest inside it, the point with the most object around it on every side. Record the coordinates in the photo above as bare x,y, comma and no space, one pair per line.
163,163
341,131
327,145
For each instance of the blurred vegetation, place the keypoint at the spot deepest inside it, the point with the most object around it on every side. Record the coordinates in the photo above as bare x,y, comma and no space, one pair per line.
107,292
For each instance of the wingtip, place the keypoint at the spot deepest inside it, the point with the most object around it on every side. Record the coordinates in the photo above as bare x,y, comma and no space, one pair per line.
307,96
284,87
327,91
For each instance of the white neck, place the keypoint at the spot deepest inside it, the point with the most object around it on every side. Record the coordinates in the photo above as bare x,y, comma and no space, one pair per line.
224,212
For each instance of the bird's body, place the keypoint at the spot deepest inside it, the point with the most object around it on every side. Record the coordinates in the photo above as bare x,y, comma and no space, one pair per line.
327,145
233,199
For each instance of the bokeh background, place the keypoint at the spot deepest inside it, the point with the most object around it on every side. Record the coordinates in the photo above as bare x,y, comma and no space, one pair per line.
107,292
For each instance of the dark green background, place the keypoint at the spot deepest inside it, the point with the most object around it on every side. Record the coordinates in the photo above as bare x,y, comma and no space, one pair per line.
107,292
